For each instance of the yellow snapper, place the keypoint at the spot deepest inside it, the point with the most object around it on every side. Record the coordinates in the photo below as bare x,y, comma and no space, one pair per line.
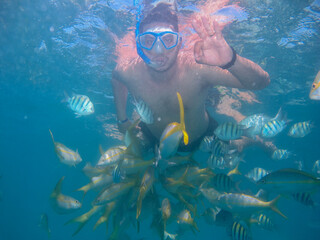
61,203
315,88
66,155
165,211
172,135
111,156
111,206
245,204
113,192
145,186
97,182
185,218
289,181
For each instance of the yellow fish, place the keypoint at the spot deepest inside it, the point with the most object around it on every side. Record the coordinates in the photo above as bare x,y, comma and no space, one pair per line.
66,155
172,135
61,203
315,88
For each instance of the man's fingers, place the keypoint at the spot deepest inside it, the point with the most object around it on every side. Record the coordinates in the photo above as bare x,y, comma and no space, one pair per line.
207,26
198,51
198,28
217,29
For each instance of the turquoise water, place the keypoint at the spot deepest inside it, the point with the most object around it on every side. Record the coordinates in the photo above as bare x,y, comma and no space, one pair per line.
48,47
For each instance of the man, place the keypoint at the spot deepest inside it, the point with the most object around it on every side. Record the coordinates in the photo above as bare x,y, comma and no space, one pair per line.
163,72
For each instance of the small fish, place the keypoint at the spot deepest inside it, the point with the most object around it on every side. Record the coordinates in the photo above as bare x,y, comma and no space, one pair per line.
289,181
223,183
316,168
97,182
185,218
216,162
66,155
256,122
61,203
281,154
263,221
273,128
111,156
110,208
172,135
80,104
169,236
144,111
240,231
231,131
304,198
300,129
214,145
315,88
210,194
165,211
145,186
44,223
256,174
245,204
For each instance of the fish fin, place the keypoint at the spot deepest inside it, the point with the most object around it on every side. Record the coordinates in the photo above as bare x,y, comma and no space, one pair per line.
78,115
57,189
181,111
273,206
66,97
279,115
262,195
52,136
234,171
101,150
185,137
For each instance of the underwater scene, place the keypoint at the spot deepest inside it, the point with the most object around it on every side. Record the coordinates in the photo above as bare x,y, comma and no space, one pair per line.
203,124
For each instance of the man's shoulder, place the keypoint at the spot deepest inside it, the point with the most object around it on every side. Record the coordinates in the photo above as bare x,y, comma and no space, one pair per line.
122,72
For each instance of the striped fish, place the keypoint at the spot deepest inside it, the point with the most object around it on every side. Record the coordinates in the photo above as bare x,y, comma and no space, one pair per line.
230,131
256,121
304,198
144,111
80,104
216,162
281,154
263,221
214,145
273,128
300,129
65,154
240,231
256,174
223,183
315,88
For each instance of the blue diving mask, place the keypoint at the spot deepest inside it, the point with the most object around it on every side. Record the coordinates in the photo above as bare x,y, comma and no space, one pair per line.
147,40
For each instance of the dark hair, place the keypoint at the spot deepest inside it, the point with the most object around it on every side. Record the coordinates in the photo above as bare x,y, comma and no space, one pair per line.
161,13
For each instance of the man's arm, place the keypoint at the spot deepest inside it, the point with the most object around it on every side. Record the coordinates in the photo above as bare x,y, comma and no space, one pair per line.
120,93
212,50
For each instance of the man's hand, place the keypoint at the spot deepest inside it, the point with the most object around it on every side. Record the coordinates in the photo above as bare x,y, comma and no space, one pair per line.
212,49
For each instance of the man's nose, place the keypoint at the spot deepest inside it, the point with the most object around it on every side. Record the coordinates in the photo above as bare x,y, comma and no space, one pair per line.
158,47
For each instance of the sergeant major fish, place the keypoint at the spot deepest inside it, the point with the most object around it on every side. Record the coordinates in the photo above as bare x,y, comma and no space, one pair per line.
281,154
315,88
80,104
66,155
230,131
300,129
144,111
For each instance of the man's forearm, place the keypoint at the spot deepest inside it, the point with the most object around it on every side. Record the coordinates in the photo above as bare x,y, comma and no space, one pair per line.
250,75
120,93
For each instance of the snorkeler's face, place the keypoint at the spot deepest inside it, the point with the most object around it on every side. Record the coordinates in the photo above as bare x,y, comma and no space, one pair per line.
165,45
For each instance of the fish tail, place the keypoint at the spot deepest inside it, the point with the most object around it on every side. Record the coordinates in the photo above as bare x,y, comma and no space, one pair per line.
274,207
139,205
66,97
101,220
85,189
234,171
57,189
52,136
183,126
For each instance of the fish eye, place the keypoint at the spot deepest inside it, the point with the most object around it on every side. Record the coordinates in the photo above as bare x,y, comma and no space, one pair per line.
313,85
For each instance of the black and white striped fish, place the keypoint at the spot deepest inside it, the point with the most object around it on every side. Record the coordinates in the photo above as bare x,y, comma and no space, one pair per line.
300,129
230,131
240,231
80,104
304,198
256,174
281,154
263,221
273,128
144,111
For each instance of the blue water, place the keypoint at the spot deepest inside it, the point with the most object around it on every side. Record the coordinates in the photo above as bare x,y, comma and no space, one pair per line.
48,47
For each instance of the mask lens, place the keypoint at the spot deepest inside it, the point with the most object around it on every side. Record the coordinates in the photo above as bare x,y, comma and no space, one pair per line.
147,41
169,40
